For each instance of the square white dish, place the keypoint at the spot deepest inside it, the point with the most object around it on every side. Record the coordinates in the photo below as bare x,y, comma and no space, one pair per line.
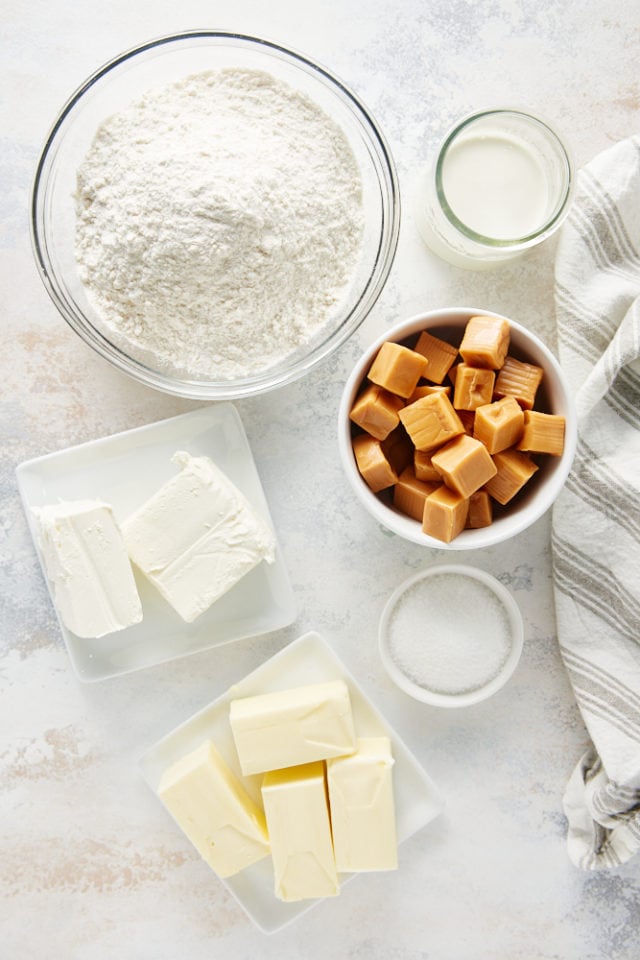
309,659
125,469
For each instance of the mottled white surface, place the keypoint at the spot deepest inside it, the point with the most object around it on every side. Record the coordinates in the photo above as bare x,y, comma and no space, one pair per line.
90,866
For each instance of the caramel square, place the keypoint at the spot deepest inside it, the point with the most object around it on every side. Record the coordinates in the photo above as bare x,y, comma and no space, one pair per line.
542,433
474,387
514,469
499,424
464,464
445,514
374,467
431,421
409,494
397,369
485,342
376,411
440,354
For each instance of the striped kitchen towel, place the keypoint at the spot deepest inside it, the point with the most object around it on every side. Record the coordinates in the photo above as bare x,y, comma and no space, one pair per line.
596,520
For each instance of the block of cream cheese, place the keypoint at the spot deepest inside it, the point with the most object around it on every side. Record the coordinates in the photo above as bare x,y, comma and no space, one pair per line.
87,565
362,807
214,810
295,805
197,536
289,727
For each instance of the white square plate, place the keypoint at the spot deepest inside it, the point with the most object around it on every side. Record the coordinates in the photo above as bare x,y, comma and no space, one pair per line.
125,470
309,659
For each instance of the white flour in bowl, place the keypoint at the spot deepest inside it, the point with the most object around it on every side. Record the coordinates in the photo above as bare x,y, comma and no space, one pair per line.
218,223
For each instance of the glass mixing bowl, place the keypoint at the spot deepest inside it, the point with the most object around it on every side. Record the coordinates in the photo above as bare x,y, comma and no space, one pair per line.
167,60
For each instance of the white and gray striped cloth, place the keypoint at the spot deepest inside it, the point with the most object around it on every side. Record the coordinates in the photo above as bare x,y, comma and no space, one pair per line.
596,519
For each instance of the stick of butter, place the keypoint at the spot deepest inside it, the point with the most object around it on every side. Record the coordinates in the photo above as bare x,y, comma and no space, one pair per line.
290,727
197,536
87,564
215,812
362,807
295,805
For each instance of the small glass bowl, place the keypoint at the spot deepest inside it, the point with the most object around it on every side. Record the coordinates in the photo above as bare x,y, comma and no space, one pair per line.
163,61
539,161
480,635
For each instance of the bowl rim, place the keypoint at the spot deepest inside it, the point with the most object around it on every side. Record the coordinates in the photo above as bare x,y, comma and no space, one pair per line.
195,388
410,529
478,694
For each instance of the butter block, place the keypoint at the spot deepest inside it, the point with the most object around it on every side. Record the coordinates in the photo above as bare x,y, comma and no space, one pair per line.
294,726
211,806
197,537
87,565
362,807
295,805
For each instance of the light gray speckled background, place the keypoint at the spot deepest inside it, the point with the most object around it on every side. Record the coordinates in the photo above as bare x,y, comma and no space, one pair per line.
91,868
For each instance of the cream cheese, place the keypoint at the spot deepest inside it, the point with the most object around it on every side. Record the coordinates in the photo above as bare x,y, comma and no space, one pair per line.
87,565
197,536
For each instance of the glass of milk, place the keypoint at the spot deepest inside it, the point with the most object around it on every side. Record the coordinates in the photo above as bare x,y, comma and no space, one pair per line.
500,184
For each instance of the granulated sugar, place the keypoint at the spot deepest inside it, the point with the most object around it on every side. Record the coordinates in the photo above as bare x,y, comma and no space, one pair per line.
449,634
219,222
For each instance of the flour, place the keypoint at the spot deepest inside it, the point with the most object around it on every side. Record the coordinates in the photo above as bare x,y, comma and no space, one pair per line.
218,223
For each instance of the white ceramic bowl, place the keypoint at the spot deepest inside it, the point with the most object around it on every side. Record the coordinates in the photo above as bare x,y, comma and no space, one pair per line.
428,634
553,397
167,60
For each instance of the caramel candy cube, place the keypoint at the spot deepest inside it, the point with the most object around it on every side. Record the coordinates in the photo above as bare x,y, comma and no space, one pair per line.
374,467
398,449
440,354
513,471
520,380
468,419
445,514
485,342
480,511
464,464
431,421
424,389
376,411
409,494
424,469
499,424
397,369
474,387
543,433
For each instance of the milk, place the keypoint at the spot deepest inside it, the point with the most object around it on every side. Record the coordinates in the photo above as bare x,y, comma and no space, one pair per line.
496,186
500,184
